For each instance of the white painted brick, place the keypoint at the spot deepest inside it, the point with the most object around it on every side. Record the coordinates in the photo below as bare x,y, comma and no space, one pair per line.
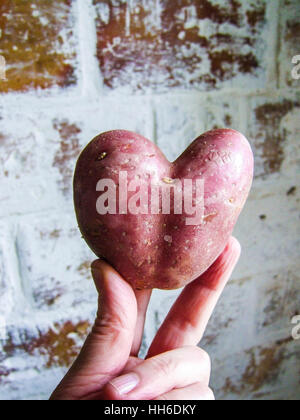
278,301
273,242
273,130
55,263
179,121
231,327
7,289
38,159
37,352
289,41
261,372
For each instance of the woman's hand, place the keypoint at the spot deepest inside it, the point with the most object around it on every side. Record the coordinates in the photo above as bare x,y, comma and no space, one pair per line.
108,366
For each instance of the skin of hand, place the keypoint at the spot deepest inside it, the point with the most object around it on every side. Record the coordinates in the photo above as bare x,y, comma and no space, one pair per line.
108,367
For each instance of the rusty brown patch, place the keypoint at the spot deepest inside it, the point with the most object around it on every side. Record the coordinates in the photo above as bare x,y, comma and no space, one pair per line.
228,120
68,152
256,16
292,33
263,368
32,45
47,297
54,234
84,268
292,191
56,345
4,373
136,44
270,137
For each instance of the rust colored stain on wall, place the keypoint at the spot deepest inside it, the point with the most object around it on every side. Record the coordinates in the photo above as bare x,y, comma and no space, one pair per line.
36,42
160,44
57,345
270,138
65,158
263,368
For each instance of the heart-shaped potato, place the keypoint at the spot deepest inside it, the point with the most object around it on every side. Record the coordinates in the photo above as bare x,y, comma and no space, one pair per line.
125,174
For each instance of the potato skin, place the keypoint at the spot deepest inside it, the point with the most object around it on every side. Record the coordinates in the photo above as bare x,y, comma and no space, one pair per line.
161,251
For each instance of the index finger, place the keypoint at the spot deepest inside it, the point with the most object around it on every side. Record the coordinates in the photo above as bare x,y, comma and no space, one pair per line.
188,318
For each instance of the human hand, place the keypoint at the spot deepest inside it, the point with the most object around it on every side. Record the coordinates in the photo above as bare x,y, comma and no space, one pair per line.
108,367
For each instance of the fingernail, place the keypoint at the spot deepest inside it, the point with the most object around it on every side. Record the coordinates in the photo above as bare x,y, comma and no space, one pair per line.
125,383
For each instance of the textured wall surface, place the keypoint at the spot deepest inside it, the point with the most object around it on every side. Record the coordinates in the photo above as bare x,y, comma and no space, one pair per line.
168,69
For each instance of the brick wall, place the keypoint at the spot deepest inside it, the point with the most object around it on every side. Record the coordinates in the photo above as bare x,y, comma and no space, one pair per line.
168,69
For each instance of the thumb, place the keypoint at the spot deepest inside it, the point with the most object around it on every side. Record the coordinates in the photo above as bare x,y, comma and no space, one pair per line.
107,349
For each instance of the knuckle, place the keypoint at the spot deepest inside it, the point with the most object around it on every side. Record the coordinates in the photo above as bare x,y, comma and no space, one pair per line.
162,398
201,355
161,366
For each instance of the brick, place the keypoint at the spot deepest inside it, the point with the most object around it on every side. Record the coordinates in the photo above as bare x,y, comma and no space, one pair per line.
55,263
225,111
156,45
268,229
7,295
278,303
230,328
37,161
34,357
290,40
70,134
259,372
38,44
274,125
180,121
28,179
69,149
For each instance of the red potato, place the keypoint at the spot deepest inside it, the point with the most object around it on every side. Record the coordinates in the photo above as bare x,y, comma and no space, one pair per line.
162,250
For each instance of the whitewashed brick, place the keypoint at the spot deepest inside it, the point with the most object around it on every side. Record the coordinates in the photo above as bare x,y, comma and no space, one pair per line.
269,230
181,119
289,41
178,122
278,301
260,372
170,44
37,353
38,159
55,263
274,128
7,295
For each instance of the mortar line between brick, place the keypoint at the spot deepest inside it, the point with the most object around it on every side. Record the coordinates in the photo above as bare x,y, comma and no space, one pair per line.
25,297
154,117
278,44
92,83
12,101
